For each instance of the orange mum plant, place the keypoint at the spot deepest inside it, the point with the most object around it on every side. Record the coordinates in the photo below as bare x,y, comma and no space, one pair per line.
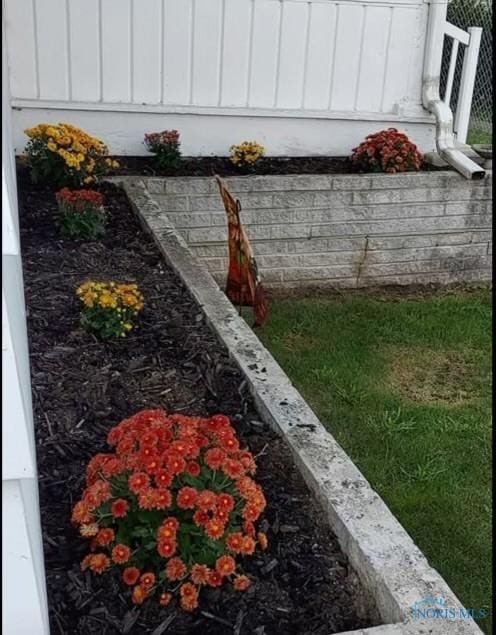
175,506
387,151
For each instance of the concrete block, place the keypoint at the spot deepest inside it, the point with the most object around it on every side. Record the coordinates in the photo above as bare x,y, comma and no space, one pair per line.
352,182
154,185
462,193
172,203
400,226
335,243
215,264
278,183
207,234
294,199
270,216
210,251
417,180
214,203
332,199
309,182
468,207
197,220
190,185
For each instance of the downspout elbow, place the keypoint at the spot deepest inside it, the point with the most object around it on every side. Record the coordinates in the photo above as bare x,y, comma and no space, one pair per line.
445,142
431,99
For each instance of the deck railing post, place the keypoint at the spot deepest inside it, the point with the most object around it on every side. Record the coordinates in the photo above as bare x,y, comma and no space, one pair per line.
467,82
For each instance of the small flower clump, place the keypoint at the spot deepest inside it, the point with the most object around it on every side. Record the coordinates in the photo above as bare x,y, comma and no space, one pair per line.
387,151
247,154
109,308
165,146
64,155
174,505
80,213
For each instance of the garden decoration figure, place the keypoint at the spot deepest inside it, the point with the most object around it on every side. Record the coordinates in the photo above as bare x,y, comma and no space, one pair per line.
243,287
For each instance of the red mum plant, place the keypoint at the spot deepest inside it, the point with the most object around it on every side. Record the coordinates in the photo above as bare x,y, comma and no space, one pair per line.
171,528
165,146
387,151
80,213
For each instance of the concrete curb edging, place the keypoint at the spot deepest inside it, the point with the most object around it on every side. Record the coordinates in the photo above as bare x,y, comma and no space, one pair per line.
389,565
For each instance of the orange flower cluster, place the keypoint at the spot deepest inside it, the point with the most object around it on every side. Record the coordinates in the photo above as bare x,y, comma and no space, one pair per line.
387,151
176,490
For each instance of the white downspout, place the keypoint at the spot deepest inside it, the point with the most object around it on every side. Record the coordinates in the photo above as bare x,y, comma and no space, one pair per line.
431,99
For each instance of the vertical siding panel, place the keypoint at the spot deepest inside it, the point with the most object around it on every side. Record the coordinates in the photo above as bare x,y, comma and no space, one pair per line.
116,51
52,49
235,53
84,50
347,57
147,51
264,53
372,66
176,46
206,52
21,45
398,59
292,55
418,17
320,54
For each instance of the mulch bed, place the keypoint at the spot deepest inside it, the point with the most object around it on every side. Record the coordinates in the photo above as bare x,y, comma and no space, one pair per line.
82,387
208,166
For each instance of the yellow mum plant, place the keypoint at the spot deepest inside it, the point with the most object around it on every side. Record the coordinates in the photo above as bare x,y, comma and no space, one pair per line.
64,155
247,154
109,308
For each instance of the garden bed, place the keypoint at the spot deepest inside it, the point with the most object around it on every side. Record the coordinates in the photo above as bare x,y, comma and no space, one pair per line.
82,387
208,166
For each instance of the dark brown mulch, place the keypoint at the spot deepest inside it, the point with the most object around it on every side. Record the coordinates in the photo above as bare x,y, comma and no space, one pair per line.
208,166
82,387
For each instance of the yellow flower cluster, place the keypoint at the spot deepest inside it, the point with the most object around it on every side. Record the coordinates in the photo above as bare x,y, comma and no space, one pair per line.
111,295
247,153
77,148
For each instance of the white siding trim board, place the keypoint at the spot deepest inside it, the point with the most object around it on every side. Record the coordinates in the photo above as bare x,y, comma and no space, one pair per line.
422,116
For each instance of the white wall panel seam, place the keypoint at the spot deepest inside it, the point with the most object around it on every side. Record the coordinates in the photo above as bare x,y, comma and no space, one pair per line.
36,60
250,52
162,52
278,59
131,51
100,49
333,65
386,59
221,51
69,55
192,53
360,55
307,46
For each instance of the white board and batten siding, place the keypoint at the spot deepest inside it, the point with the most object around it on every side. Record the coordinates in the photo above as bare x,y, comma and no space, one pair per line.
286,72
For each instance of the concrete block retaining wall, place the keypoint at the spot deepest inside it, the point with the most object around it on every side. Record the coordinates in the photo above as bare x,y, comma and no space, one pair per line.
342,230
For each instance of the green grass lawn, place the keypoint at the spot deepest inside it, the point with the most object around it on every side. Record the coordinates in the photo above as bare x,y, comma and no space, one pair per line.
479,135
404,385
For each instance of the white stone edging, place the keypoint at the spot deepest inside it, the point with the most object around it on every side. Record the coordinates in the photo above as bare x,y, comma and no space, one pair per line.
389,565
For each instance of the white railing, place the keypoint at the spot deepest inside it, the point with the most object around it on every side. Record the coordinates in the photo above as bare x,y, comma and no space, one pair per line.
23,590
471,41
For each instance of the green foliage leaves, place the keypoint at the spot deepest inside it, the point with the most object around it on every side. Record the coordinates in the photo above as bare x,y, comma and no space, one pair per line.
86,224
